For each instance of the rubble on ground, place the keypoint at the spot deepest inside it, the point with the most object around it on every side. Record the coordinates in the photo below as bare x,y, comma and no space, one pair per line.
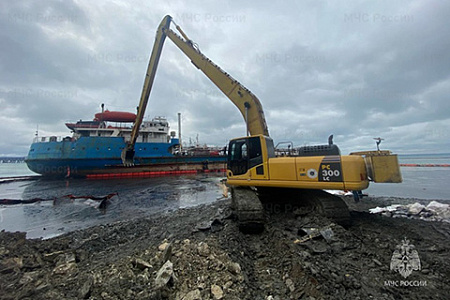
433,211
198,253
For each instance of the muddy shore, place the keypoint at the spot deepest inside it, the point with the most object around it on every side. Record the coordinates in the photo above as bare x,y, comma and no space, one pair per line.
198,253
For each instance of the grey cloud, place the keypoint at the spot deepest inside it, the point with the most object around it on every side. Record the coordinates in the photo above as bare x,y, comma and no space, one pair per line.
357,69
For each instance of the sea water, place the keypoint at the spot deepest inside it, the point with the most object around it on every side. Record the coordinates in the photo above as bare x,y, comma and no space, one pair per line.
15,169
424,158
143,196
418,182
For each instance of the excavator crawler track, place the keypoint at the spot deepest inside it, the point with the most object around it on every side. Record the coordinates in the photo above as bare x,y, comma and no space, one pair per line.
249,205
328,205
248,209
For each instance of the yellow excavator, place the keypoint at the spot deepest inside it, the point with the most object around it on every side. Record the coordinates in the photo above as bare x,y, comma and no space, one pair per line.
254,172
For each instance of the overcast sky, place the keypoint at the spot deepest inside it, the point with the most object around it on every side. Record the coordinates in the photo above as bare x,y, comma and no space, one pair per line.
355,69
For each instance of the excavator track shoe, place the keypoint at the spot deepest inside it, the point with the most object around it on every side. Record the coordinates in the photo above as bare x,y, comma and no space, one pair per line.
249,210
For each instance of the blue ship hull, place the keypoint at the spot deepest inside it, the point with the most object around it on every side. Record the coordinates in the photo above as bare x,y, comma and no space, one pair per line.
102,155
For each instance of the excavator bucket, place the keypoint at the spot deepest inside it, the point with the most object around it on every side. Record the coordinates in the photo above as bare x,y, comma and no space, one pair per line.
128,156
382,166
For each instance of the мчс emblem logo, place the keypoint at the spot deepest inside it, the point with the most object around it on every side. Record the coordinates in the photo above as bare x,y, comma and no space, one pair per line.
405,259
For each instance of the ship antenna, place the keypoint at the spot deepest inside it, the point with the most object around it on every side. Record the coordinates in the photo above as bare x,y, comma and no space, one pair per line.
378,141
37,130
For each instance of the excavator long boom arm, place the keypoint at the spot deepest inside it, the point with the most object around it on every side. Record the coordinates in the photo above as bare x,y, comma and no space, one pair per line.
247,103
128,152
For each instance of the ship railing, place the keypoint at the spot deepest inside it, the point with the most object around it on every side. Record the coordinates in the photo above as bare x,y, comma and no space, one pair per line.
52,138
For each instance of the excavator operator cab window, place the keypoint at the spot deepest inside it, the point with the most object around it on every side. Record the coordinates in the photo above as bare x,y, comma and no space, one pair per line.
244,154
255,154
236,149
244,151
237,157
270,147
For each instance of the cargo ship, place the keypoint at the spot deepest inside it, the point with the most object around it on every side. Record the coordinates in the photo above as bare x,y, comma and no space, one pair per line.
95,148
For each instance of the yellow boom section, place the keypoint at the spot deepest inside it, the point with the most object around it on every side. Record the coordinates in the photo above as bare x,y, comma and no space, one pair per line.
128,152
247,103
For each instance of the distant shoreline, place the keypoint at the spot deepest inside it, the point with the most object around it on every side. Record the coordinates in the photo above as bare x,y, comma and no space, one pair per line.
12,160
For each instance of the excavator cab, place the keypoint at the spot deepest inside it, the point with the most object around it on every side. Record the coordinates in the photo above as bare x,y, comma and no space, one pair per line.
249,152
